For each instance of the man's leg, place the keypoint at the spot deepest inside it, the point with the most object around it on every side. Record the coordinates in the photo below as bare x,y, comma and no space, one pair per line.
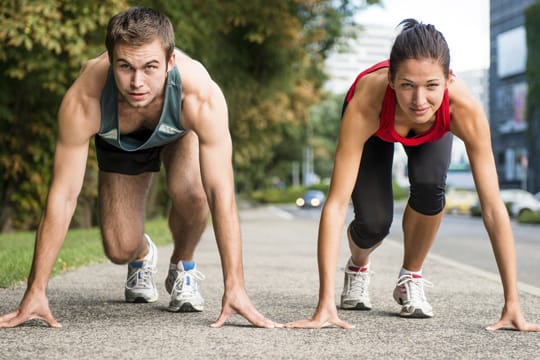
122,200
188,218
188,214
122,205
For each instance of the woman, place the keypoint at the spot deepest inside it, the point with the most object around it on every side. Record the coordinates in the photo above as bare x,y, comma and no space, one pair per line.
413,99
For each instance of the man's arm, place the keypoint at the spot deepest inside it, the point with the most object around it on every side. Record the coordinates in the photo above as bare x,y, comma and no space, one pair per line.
205,112
76,126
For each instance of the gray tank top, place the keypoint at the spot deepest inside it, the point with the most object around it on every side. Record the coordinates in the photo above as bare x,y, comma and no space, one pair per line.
168,129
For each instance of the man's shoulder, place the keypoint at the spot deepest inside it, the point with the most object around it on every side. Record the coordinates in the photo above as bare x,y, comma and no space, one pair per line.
196,81
92,76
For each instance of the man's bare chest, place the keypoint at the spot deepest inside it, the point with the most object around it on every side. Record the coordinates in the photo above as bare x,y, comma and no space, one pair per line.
134,119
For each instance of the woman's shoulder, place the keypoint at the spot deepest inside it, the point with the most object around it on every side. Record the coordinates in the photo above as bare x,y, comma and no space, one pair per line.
460,96
371,88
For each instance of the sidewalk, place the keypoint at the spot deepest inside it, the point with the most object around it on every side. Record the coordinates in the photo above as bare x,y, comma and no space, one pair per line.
281,278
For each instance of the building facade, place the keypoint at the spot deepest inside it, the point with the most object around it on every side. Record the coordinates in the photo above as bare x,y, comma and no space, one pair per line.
371,44
508,95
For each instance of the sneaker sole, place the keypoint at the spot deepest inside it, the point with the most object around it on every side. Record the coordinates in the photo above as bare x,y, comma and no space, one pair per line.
416,314
140,300
357,306
186,307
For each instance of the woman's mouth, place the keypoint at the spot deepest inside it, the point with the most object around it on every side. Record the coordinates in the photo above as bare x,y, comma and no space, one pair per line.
420,111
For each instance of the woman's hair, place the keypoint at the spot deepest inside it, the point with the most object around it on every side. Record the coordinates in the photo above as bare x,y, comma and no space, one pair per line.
139,26
419,41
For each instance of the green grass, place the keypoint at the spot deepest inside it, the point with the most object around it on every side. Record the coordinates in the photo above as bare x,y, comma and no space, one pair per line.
81,247
529,218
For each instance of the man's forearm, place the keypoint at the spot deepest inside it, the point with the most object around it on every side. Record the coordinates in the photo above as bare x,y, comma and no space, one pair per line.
229,241
49,239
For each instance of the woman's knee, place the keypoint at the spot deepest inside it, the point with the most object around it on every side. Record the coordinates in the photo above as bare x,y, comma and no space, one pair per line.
427,199
366,235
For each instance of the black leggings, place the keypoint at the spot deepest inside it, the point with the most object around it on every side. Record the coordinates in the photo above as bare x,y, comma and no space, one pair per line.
372,196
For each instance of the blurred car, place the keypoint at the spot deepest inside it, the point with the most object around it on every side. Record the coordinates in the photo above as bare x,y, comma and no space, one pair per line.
311,198
524,205
460,201
508,196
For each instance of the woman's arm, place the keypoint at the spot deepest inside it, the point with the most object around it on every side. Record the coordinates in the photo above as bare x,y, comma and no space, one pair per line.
470,124
360,121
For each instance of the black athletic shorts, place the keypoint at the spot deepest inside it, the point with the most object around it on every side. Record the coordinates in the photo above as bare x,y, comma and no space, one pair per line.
113,159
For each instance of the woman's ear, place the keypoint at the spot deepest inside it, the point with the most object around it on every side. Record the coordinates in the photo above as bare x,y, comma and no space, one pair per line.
390,80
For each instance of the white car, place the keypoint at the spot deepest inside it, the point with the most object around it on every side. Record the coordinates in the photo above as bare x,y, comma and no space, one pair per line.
525,204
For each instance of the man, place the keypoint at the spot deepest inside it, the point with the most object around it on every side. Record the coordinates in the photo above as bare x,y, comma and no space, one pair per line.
145,102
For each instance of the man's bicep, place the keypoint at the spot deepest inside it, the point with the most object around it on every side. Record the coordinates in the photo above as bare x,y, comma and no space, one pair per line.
69,167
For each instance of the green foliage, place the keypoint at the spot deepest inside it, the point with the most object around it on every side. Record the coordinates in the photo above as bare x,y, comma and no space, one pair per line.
277,196
532,24
45,43
529,217
266,55
290,194
324,122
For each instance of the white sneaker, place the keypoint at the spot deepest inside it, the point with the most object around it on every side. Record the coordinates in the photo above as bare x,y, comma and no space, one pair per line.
409,293
183,286
140,285
355,295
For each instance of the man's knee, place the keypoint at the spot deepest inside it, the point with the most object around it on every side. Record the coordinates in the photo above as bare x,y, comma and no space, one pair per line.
427,199
367,235
121,248
193,202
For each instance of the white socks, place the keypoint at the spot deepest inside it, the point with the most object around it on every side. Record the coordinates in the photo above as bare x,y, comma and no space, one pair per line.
355,268
415,274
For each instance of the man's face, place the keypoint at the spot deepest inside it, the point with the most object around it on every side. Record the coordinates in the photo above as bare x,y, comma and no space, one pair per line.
140,72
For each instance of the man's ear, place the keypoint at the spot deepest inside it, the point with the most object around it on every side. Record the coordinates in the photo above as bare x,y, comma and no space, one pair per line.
171,62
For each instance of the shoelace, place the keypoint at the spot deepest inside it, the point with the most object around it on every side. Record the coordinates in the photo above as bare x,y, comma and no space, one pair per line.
359,287
415,287
178,286
141,278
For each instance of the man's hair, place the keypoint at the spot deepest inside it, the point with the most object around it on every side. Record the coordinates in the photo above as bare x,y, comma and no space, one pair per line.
419,41
139,26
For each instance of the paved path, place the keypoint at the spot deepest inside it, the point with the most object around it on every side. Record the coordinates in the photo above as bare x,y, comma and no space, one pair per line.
282,280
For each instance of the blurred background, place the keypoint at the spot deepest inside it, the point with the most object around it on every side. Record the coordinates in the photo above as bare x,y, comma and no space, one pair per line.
284,66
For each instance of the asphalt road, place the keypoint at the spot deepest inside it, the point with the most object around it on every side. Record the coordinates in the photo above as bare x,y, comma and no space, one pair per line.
463,238
282,280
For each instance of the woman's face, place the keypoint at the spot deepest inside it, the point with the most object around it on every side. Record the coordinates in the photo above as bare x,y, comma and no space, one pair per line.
419,85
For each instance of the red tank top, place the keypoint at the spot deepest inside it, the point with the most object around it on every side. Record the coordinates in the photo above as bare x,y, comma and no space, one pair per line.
386,129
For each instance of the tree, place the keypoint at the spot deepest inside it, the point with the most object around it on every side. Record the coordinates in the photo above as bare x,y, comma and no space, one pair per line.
45,42
268,58
532,74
